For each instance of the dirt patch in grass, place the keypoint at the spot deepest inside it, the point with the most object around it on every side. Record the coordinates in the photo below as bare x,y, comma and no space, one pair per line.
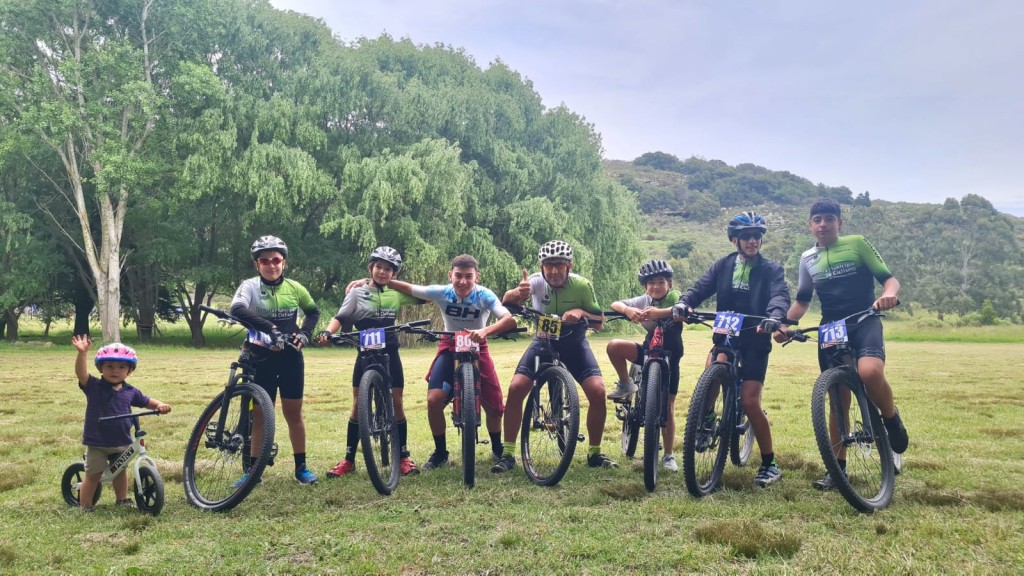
749,539
12,477
937,497
1004,432
624,490
999,500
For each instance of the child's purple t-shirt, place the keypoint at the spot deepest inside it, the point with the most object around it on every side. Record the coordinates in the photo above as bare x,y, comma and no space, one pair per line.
102,400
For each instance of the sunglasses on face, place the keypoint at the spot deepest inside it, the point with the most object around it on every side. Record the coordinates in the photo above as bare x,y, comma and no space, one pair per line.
268,261
750,236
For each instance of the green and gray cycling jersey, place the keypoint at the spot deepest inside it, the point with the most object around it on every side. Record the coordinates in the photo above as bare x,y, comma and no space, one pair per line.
842,274
576,293
674,334
269,305
374,306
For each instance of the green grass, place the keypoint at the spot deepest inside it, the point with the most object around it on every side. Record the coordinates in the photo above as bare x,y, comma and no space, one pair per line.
958,506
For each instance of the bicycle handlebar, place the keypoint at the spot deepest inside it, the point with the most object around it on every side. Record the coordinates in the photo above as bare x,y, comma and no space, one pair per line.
528,313
351,338
801,335
435,335
130,415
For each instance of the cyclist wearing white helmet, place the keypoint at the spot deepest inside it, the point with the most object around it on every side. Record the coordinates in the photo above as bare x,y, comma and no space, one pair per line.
270,304
372,304
557,290
108,395
747,283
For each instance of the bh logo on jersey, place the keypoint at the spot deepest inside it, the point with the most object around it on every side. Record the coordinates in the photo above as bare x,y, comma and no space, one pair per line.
461,312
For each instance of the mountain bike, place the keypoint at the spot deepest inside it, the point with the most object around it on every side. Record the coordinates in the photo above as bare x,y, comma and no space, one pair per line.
378,431
148,486
646,408
219,448
551,419
716,425
869,480
465,398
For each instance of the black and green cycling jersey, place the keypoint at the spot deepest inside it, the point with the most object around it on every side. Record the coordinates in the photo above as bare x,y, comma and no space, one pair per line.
266,305
577,292
842,275
373,306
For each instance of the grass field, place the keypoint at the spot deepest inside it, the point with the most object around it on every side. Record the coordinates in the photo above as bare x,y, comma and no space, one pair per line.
959,506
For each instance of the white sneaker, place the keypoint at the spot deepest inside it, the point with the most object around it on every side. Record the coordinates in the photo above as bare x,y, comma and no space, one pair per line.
668,462
622,390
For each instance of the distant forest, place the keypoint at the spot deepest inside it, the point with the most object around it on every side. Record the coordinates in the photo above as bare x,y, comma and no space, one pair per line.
961,257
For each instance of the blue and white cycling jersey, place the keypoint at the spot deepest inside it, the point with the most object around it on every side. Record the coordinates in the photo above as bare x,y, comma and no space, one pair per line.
469,313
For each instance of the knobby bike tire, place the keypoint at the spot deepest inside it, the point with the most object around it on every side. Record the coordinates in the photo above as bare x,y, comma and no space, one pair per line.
468,406
71,484
869,481
150,497
706,441
633,422
212,472
742,443
653,387
378,432
551,426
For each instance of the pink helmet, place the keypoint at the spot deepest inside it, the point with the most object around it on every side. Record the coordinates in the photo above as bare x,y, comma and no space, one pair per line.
116,352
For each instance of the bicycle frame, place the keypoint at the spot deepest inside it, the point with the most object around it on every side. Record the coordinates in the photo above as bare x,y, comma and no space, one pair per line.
136,452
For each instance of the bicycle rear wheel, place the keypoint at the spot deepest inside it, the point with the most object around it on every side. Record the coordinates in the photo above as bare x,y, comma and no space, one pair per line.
706,437
150,498
653,388
71,485
378,432
870,477
467,409
742,443
631,412
215,463
551,426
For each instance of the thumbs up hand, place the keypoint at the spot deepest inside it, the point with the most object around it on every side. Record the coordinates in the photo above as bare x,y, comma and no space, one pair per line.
524,286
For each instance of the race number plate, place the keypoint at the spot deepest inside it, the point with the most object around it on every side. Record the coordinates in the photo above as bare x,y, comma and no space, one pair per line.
728,323
549,327
832,334
372,339
463,343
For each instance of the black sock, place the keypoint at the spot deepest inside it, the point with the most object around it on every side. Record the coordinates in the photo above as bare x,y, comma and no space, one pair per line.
300,461
352,441
842,464
403,436
496,446
440,445
768,459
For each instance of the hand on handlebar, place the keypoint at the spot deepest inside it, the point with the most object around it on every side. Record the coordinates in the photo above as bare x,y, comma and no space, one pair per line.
300,340
769,325
781,335
886,303
322,336
681,310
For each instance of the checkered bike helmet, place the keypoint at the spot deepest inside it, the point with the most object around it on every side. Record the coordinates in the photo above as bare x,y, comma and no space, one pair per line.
746,222
389,255
654,269
264,243
116,352
555,249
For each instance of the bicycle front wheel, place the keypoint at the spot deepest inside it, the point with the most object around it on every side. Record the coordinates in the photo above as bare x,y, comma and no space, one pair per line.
467,409
215,473
551,426
840,403
653,388
706,438
378,432
149,491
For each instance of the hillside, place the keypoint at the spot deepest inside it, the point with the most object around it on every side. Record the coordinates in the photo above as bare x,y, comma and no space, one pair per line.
950,258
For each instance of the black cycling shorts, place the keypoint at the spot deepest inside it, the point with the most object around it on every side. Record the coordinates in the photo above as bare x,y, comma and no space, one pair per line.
394,369
576,355
673,368
284,370
866,340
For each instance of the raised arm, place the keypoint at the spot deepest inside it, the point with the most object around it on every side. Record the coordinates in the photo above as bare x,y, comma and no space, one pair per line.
81,342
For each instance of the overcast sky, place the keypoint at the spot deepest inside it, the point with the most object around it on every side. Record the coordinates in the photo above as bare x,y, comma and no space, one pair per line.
914,100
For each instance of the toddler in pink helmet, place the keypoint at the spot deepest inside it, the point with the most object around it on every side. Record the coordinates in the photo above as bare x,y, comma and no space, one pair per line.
108,395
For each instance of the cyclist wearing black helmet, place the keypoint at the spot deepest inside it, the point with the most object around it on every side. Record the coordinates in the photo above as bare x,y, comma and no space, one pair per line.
656,303
556,290
371,304
842,270
747,283
270,303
